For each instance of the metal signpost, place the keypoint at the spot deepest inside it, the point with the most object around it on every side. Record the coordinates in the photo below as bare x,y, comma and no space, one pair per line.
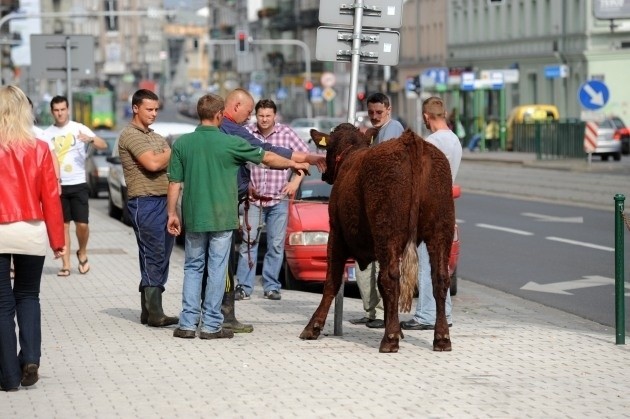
59,56
350,42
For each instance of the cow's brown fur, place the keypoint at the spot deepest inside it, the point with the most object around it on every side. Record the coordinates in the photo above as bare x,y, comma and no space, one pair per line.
385,200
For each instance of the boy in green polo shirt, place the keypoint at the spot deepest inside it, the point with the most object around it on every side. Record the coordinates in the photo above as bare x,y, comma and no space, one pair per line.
207,161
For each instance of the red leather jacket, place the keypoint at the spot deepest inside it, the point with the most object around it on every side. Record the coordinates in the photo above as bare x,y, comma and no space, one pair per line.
29,190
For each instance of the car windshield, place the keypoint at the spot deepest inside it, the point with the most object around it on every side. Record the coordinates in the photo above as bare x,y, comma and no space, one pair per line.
313,188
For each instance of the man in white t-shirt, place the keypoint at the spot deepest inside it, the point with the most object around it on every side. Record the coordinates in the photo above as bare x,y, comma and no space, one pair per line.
70,140
434,116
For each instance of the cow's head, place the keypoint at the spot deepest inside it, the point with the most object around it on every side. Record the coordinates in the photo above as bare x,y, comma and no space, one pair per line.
341,141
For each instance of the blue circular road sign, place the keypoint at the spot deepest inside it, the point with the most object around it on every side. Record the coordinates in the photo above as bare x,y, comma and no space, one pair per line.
593,95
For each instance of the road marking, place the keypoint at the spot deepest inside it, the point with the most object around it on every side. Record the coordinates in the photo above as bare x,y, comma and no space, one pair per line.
507,230
554,219
584,244
562,287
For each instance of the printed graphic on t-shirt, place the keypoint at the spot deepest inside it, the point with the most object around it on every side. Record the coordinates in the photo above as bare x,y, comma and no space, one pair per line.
63,144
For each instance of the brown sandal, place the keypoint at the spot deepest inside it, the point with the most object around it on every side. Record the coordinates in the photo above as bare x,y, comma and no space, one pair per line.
83,264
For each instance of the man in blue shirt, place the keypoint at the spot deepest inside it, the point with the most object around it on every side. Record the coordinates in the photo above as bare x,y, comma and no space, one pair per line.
239,105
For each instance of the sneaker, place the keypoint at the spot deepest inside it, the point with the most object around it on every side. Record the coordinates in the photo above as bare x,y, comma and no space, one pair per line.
240,294
221,334
414,325
272,295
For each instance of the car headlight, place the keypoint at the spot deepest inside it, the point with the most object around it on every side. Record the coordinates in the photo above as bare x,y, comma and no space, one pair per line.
308,238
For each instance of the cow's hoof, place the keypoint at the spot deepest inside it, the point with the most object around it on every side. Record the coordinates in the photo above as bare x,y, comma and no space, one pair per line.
388,346
309,333
442,345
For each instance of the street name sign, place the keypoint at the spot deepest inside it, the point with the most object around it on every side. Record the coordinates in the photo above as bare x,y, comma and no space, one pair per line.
377,46
378,14
611,9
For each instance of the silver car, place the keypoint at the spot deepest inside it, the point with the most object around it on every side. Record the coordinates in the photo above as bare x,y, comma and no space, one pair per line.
117,205
96,165
303,127
607,143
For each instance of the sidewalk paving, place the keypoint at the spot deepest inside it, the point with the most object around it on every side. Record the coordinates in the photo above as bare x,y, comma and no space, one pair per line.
511,358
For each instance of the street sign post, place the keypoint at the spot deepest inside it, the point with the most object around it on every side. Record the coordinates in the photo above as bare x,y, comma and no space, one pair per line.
593,95
351,43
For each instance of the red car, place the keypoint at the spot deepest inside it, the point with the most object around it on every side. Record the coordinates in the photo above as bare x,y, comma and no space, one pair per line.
307,236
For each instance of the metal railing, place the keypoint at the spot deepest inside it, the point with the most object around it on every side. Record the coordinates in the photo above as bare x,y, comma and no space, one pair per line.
550,139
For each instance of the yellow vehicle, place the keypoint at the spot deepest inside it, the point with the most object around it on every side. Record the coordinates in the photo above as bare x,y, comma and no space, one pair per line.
529,113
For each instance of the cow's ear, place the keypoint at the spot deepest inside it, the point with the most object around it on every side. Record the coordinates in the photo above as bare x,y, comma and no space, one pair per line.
319,138
322,142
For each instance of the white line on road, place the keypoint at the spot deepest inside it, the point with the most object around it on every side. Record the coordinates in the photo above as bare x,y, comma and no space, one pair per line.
551,218
507,230
584,244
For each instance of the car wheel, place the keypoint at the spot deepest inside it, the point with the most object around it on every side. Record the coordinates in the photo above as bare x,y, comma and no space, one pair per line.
126,217
617,156
290,283
604,157
113,210
454,283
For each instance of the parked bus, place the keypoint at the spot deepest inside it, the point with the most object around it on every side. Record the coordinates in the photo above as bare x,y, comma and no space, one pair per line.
94,108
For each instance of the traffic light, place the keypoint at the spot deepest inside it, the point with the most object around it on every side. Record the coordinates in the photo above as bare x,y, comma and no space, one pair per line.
241,42
308,86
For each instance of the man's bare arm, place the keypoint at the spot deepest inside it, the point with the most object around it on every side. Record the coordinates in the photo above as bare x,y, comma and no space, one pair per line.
155,161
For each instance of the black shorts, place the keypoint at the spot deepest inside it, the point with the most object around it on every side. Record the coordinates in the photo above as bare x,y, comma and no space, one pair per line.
75,203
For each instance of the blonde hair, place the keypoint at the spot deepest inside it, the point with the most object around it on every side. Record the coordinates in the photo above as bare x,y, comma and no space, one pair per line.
434,107
16,118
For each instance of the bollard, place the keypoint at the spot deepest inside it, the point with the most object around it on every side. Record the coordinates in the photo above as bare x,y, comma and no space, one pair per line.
338,322
620,311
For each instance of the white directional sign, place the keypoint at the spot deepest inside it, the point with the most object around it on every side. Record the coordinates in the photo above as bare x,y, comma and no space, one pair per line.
377,46
376,13
593,94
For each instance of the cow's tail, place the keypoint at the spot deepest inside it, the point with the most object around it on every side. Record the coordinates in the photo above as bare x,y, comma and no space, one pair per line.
409,263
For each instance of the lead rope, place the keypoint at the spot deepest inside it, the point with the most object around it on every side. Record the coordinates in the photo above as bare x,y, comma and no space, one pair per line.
248,226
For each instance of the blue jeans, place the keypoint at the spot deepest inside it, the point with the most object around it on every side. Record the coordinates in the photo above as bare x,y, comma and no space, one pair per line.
155,244
22,300
275,219
425,307
472,144
216,247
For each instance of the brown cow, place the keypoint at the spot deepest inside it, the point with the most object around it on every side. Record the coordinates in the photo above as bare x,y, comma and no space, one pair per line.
385,200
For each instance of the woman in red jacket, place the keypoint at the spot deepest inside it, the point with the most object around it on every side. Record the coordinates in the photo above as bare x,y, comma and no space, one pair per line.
30,214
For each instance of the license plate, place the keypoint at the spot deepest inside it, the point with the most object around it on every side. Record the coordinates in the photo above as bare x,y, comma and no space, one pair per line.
351,273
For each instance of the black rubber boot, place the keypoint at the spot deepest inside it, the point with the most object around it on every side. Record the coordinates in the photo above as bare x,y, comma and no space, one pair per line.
144,313
227,305
229,318
157,318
